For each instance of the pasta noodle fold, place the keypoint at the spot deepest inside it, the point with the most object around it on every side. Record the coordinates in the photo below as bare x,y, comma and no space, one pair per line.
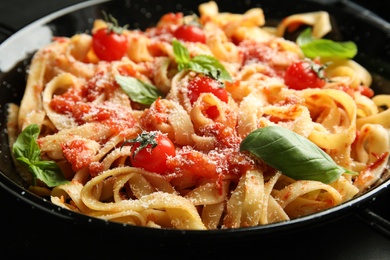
96,117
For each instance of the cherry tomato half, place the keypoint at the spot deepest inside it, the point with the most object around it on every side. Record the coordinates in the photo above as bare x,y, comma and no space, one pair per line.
109,45
204,84
301,75
190,33
151,158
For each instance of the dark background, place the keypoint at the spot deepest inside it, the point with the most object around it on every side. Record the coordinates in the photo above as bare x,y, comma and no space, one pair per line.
26,231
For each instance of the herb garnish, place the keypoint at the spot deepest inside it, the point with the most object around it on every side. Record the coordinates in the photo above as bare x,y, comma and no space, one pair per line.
292,154
26,151
137,90
205,64
313,47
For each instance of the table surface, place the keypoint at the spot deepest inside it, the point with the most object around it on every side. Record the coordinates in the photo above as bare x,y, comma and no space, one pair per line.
26,231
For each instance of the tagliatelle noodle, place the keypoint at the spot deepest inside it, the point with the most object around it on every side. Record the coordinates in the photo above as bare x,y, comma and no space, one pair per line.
182,212
376,116
319,20
85,119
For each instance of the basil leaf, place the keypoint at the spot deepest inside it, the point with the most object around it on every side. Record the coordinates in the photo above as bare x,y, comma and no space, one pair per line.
210,66
26,151
313,47
137,90
48,172
182,56
305,37
292,154
26,146
205,64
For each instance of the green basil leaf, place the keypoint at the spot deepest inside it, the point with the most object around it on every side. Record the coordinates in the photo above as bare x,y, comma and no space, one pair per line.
137,90
210,66
26,146
313,47
26,151
204,64
48,172
305,37
292,154
182,56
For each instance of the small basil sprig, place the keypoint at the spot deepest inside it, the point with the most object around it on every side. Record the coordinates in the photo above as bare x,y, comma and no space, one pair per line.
26,151
137,90
313,47
292,154
205,64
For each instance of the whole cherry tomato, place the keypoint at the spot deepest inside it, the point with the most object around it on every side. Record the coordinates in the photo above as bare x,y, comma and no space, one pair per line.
108,44
150,151
304,74
190,33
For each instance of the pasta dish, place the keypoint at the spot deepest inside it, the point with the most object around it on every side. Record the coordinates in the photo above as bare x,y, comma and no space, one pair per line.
209,121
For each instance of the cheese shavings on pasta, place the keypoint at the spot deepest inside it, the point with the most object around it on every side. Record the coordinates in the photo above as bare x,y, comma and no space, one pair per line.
85,118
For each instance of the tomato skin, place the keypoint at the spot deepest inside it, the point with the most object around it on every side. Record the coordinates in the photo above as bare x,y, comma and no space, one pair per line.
366,91
190,33
300,75
204,84
108,45
153,159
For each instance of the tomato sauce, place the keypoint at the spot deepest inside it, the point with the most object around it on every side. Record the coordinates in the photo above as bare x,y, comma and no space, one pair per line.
64,103
156,115
78,154
192,162
271,55
224,161
77,103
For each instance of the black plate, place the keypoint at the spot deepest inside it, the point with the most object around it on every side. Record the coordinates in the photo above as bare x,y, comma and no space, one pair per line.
369,33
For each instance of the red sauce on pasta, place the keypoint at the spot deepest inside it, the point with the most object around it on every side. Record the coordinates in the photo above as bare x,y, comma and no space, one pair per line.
268,54
74,103
78,154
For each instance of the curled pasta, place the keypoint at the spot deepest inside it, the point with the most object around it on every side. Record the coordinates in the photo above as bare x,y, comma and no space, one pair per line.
90,122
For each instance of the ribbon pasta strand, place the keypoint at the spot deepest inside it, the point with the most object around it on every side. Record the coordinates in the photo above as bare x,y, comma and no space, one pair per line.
88,123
